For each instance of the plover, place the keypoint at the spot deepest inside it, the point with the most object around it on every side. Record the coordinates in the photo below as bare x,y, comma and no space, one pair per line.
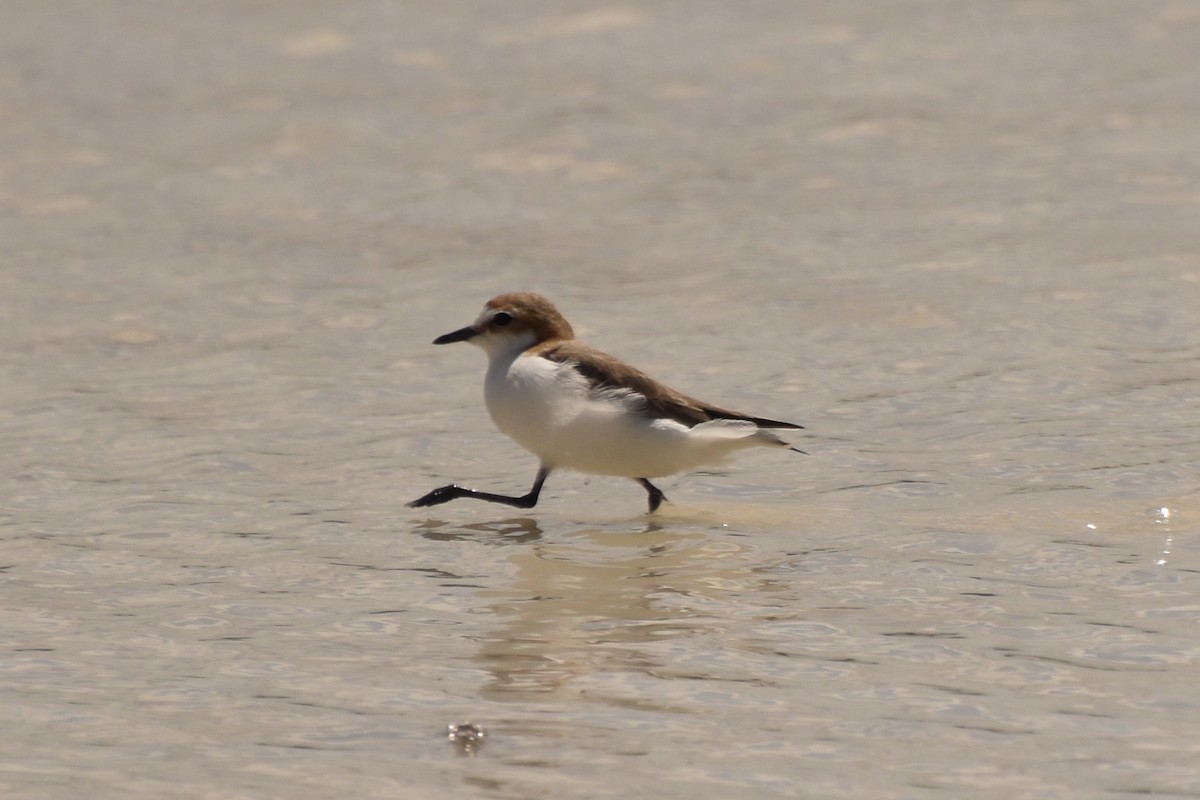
575,407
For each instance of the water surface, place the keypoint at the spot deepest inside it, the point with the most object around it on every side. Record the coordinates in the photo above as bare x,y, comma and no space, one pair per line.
957,241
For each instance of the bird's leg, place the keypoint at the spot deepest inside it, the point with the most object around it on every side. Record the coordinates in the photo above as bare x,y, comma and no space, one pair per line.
445,494
656,495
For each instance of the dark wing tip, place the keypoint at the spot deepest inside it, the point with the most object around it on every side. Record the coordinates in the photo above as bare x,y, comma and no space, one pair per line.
774,423
716,412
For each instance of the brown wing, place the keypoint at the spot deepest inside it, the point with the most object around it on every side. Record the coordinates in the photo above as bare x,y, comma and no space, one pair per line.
603,371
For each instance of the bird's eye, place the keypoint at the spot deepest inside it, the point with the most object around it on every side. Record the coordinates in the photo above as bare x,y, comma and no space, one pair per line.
502,318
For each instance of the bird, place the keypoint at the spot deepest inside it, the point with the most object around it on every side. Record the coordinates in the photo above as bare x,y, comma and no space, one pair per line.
577,408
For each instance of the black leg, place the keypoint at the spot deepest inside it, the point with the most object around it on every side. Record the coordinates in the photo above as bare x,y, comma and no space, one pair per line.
445,494
656,495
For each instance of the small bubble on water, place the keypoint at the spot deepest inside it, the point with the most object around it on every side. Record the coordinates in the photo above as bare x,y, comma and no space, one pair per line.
466,737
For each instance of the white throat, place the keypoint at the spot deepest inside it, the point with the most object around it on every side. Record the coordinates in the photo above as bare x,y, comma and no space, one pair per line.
504,347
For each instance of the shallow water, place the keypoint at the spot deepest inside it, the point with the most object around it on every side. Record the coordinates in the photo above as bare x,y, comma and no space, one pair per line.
957,241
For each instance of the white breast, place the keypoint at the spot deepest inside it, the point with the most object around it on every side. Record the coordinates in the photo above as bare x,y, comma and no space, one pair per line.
529,397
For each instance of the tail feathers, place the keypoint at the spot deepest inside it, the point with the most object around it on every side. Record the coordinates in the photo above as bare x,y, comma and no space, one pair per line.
738,429
726,429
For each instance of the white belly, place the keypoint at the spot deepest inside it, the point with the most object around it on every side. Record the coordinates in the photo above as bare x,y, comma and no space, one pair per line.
548,409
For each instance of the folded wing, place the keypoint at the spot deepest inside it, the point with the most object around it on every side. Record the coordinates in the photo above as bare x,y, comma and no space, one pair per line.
605,373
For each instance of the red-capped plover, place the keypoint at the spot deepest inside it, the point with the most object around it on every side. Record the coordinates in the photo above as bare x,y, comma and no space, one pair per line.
575,407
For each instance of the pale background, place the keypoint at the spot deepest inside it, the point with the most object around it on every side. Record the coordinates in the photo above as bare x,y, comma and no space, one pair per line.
957,239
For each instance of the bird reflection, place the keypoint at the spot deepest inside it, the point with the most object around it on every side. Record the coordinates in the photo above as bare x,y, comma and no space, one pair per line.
588,602
515,530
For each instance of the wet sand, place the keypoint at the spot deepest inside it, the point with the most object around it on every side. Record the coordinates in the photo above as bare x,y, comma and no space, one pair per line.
958,241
